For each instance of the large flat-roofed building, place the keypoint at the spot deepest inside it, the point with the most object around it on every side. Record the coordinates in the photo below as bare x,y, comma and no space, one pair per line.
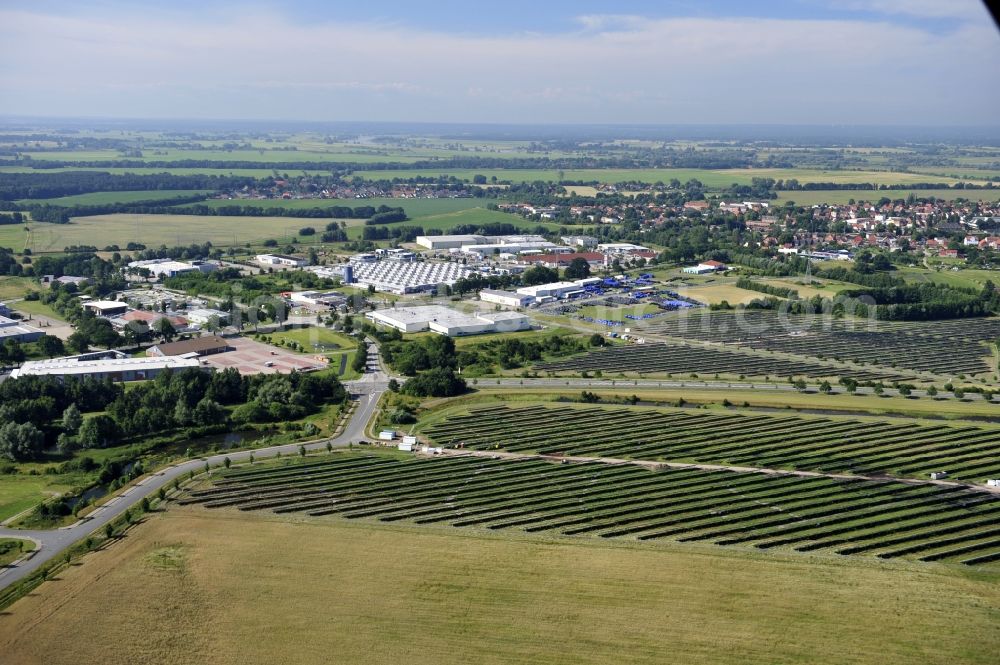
169,268
446,321
197,346
449,242
201,316
554,290
106,307
505,298
280,260
116,369
404,277
318,299
17,331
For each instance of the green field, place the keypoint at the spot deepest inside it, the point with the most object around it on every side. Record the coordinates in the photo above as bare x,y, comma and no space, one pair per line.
713,178
101,198
15,287
154,230
36,307
250,588
13,548
314,339
151,170
21,491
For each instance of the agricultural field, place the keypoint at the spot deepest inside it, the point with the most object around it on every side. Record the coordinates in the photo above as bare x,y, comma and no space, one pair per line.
225,583
656,359
902,448
885,519
712,178
152,170
151,230
103,198
944,348
223,231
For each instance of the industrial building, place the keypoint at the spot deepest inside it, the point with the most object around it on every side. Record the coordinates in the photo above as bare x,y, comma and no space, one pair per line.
446,321
164,268
449,242
487,246
402,277
505,298
554,290
116,369
106,307
705,268
280,260
201,316
11,329
196,346
318,299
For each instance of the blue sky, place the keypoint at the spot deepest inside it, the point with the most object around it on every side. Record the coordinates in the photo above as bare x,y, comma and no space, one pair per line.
669,61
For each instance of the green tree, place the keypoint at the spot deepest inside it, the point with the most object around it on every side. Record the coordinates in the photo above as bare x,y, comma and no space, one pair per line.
21,441
72,419
50,346
164,328
578,268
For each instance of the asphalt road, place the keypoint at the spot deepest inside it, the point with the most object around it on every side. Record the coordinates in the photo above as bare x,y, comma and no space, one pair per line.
51,542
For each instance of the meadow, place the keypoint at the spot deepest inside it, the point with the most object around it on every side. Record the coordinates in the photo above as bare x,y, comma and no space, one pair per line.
252,588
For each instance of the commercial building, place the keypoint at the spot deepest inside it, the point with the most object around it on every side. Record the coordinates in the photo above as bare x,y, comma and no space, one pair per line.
579,241
318,299
553,290
446,321
449,242
505,298
164,268
116,369
280,260
486,246
706,267
196,346
106,307
201,316
17,331
562,260
395,254
147,318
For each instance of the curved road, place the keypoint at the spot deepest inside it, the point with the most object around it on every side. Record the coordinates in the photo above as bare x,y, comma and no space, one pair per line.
51,542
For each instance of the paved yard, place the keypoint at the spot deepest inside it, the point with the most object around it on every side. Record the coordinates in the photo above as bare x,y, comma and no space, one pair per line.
250,357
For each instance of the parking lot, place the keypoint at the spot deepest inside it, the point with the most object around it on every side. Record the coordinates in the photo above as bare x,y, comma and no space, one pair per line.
250,357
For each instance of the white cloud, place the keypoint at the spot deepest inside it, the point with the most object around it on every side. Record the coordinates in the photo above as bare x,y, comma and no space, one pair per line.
617,69
972,10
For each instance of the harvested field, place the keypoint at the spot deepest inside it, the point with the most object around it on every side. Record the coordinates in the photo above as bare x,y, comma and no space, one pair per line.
245,588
